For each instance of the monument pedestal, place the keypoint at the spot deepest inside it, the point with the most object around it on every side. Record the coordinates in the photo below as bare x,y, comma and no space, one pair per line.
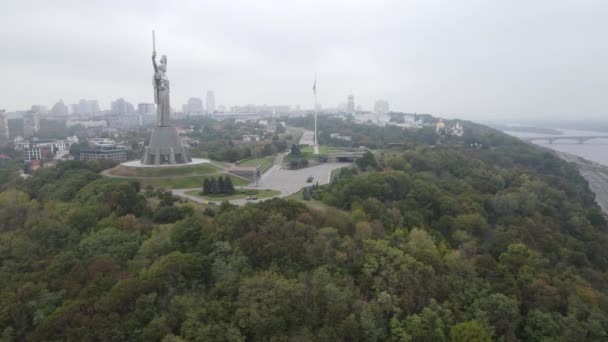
165,147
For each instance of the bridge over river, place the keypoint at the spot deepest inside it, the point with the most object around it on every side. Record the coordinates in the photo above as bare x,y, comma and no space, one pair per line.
580,138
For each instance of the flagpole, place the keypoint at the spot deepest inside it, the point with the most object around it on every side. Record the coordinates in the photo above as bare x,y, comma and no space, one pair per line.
315,109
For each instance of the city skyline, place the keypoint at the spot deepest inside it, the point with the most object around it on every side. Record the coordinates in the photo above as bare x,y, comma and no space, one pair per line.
471,59
113,106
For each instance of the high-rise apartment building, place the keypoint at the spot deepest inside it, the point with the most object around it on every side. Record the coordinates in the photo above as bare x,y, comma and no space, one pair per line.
146,108
194,106
122,107
381,107
93,106
40,109
59,109
350,103
210,99
4,134
31,123
86,107
83,107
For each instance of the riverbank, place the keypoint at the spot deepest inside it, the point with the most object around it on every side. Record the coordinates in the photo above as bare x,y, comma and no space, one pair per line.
596,174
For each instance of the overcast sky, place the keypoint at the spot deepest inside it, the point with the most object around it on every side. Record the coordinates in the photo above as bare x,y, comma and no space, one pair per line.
475,59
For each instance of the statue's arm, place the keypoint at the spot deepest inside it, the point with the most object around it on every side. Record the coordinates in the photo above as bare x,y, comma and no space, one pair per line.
154,62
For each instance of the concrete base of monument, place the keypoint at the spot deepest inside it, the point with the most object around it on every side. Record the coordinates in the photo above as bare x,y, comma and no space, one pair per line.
138,163
165,147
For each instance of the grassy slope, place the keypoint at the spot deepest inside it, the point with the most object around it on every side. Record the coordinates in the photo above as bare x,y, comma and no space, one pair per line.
307,152
265,162
312,203
180,182
322,149
192,170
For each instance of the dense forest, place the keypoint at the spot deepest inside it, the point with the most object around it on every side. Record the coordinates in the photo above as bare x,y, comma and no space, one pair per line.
477,238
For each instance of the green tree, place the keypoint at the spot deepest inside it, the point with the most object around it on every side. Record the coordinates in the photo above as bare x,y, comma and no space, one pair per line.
118,244
15,208
542,326
167,199
112,196
429,325
206,186
295,150
499,312
471,331
367,161
214,186
265,306
228,185
220,185
186,234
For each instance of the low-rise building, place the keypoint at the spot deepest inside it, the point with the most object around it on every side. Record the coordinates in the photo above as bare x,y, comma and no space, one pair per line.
43,152
251,137
86,123
102,148
4,158
147,120
102,142
20,143
190,142
340,137
124,121
44,149
184,130
440,127
457,129
72,140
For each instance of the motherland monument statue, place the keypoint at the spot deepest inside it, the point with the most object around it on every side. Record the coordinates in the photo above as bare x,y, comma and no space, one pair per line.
165,146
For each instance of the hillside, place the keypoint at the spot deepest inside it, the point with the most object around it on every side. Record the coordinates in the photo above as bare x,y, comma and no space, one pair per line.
476,238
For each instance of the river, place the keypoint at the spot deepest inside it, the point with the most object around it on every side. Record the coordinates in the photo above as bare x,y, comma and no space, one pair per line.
595,149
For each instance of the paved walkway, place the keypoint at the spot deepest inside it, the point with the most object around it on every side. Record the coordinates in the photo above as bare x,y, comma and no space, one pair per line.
308,138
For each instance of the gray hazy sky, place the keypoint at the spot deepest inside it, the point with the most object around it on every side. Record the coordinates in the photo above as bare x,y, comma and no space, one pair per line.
470,58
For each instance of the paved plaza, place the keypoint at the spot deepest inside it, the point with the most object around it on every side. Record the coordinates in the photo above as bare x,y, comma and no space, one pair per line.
292,181
307,138
287,182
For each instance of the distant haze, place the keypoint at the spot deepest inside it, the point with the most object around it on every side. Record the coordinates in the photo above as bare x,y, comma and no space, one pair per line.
475,59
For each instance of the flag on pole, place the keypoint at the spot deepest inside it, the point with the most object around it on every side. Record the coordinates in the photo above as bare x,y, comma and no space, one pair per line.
314,86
